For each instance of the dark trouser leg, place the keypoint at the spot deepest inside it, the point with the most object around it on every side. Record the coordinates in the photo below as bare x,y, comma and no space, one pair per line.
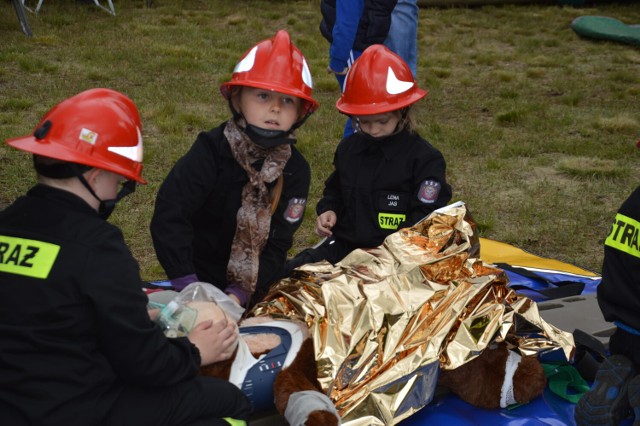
634,398
204,400
627,344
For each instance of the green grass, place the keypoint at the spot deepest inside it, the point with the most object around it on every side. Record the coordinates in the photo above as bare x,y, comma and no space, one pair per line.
537,124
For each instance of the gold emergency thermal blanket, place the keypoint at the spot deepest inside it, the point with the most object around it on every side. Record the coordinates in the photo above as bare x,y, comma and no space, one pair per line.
384,320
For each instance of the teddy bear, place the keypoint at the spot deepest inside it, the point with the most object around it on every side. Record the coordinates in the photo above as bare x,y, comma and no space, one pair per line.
369,339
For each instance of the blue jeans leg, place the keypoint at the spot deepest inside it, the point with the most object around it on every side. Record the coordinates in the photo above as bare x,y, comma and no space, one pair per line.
403,34
348,127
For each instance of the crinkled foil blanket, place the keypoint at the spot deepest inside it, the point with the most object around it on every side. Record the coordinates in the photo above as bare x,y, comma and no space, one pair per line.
383,319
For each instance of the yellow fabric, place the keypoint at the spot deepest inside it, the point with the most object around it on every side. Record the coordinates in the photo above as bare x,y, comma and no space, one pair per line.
496,252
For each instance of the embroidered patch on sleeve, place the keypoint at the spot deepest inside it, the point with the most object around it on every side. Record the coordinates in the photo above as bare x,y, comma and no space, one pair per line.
429,191
295,209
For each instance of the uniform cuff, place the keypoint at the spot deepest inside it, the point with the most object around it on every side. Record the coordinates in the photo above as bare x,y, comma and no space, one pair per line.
337,65
239,292
180,283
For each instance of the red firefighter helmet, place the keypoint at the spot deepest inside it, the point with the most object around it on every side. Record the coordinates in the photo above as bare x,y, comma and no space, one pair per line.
97,128
274,64
379,81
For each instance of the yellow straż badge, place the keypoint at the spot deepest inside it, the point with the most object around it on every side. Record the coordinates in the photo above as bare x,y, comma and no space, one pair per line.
390,220
30,258
624,235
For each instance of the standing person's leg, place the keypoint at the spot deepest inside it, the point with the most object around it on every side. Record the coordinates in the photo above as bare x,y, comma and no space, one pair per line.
353,55
403,34
627,344
192,403
348,126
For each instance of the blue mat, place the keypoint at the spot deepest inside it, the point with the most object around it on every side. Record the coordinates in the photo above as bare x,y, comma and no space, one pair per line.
548,409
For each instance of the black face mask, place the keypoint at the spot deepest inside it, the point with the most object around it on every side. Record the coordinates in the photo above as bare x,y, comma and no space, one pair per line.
66,170
106,207
268,138
264,137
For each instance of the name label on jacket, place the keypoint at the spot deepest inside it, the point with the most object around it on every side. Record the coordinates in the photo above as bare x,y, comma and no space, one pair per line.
393,201
624,235
30,258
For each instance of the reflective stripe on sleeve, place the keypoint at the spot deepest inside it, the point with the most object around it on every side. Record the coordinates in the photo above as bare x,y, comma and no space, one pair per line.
624,235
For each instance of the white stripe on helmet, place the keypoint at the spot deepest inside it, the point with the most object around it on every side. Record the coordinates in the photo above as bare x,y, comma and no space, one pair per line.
395,86
131,152
247,62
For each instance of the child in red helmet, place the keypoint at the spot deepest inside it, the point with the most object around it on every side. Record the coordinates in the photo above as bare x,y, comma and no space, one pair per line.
78,346
227,212
385,175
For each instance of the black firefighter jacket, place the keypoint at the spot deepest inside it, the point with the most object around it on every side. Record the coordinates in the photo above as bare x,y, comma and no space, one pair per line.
379,186
619,291
194,221
74,328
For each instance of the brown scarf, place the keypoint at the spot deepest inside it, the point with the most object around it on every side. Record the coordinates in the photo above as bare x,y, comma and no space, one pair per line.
254,216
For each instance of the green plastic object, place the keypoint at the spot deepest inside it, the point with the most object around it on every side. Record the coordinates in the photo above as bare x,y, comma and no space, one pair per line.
565,381
606,28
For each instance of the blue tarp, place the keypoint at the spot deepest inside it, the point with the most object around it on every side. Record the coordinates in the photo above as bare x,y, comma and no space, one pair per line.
548,409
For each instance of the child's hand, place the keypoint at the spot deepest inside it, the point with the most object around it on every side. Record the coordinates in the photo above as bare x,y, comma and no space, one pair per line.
216,341
235,298
153,313
325,222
